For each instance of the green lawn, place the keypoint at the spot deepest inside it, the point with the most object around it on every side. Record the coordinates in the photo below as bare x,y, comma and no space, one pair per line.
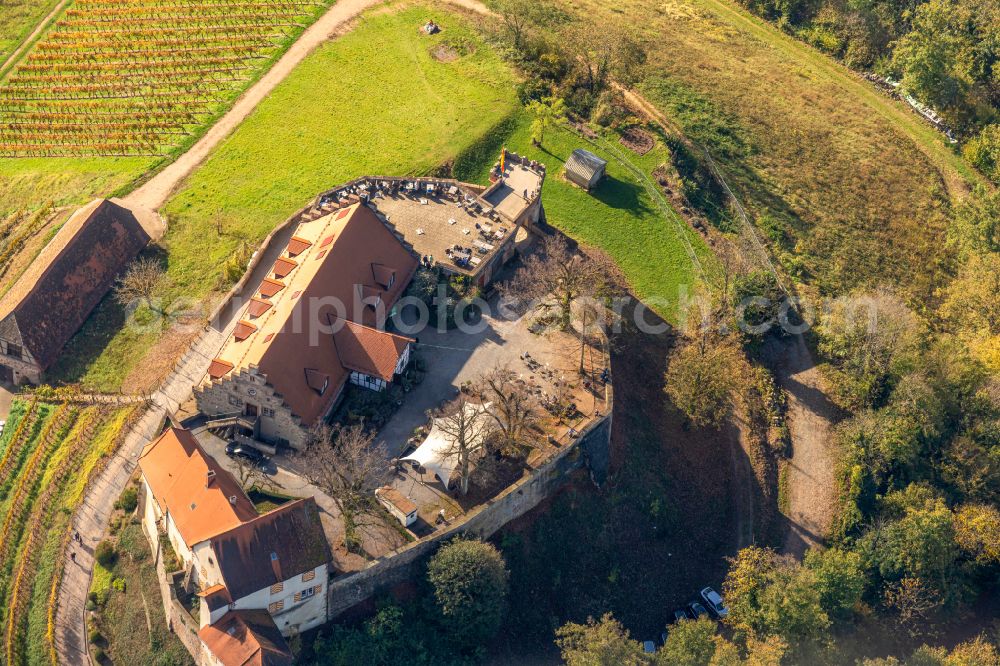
17,20
618,216
373,101
853,190
26,184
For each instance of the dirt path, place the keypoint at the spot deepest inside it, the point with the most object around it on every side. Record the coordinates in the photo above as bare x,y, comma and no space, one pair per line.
26,43
155,192
810,490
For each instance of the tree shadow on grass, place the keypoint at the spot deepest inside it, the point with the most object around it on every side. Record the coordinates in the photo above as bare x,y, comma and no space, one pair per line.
622,195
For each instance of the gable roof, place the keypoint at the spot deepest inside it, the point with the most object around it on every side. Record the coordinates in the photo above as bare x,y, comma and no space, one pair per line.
201,497
54,297
585,163
246,638
271,548
369,350
293,336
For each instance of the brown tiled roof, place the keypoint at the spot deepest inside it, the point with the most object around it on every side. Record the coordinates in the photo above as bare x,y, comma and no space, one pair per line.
216,597
52,299
283,266
297,246
244,330
258,306
383,275
269,287
272,548
369,350
219,368
283,351
246,638
201,504
397,499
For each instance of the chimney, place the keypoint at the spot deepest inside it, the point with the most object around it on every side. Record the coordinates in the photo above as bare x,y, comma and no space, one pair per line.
209,477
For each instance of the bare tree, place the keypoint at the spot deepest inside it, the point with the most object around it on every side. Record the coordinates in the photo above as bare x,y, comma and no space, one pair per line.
469,427
252,476
516,15
603,52
512,407
347,465
139,282
554,277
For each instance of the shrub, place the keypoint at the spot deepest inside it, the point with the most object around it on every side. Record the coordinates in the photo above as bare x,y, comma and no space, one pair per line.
118,584
105,554
984,152
128,501
94,636
470,582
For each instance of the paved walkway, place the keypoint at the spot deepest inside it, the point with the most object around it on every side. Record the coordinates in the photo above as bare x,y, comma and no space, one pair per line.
6,396
92,515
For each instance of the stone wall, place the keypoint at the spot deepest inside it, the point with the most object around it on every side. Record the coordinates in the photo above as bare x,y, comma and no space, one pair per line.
591,450
277,426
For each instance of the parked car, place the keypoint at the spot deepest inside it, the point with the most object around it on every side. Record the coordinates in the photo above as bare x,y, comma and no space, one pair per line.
680,614
3,424
696,610
714,602
247,452
649,647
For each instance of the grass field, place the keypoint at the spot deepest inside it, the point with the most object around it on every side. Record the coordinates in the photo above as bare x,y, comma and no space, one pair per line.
18,20
618,216
373,101
131,622
47,454
856,189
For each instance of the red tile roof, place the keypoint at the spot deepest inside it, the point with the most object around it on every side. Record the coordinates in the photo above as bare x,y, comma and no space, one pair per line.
258,306
269,287
297,246
283,266
369,350
362,239
219,368
244,330
384,275
246,638
201,497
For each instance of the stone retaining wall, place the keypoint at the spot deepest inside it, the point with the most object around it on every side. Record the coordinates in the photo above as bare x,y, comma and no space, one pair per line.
591,449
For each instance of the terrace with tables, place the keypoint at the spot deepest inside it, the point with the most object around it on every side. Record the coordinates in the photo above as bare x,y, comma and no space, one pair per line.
465,229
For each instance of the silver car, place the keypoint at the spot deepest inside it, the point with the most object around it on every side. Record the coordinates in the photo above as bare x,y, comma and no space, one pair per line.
714,602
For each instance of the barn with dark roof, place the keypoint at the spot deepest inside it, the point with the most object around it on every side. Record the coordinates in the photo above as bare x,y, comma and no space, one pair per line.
53,298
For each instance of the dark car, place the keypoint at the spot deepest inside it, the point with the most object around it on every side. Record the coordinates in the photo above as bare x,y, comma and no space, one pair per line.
680,614
696,610
247,452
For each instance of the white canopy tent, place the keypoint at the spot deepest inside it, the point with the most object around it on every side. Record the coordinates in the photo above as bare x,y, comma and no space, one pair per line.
437,453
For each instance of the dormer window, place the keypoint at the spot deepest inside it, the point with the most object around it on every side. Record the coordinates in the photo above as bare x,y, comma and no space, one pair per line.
317,381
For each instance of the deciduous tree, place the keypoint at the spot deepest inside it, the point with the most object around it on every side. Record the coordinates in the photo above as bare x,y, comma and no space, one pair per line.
139,282
469,427
512,407
604,643
347,465
555,276
470,582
